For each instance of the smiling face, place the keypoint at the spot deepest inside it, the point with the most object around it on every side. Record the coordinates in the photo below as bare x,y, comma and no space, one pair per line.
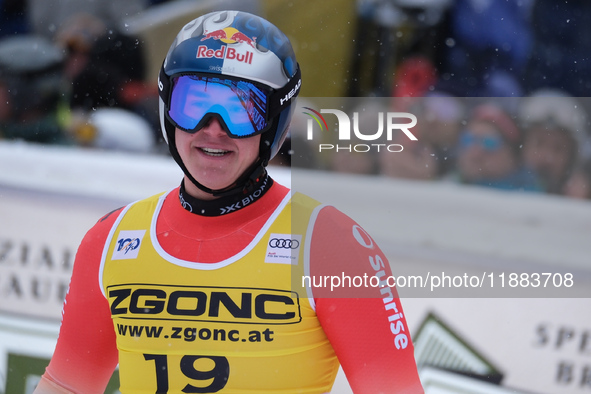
213,158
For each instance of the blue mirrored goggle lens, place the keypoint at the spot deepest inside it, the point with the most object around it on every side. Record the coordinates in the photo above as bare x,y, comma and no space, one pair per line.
242,105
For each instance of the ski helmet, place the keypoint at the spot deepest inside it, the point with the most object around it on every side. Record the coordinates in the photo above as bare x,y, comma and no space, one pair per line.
250,56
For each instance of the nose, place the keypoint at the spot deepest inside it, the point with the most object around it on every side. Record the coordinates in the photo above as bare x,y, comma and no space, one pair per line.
213,127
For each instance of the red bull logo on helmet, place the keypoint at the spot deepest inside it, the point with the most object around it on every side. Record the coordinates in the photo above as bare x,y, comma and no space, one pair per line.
229,35
203,51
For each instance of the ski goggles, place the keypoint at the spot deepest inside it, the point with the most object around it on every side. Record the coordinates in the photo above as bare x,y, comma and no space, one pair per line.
244,108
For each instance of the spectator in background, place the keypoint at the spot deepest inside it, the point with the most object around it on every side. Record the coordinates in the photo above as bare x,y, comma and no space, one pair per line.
562,42
111,73
578,184
487,48
414,77
488,151
35,105
415,161
34,90
389,35
555,135
104,63
440,123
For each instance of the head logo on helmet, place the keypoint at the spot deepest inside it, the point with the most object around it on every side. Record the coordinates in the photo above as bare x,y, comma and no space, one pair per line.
238,46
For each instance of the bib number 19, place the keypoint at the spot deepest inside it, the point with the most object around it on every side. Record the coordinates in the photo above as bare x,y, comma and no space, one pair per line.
219,373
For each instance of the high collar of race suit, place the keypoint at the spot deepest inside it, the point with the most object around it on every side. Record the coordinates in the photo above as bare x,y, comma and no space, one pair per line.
226,204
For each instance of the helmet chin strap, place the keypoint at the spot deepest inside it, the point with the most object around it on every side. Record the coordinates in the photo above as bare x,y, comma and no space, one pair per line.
243,185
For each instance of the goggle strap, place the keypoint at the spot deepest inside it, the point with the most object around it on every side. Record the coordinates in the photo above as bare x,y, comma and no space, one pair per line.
163,85
282,97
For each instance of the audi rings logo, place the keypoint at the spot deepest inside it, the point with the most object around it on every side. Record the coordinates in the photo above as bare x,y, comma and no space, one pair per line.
284,243
283,248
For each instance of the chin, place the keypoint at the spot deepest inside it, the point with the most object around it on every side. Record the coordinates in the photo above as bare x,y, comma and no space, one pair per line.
214,179
215,184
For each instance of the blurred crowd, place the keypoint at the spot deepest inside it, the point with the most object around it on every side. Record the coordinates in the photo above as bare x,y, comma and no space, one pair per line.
539,143
499,87
70,73
472,48
500,90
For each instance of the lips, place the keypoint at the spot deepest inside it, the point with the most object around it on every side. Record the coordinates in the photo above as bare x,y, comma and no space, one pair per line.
214,152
